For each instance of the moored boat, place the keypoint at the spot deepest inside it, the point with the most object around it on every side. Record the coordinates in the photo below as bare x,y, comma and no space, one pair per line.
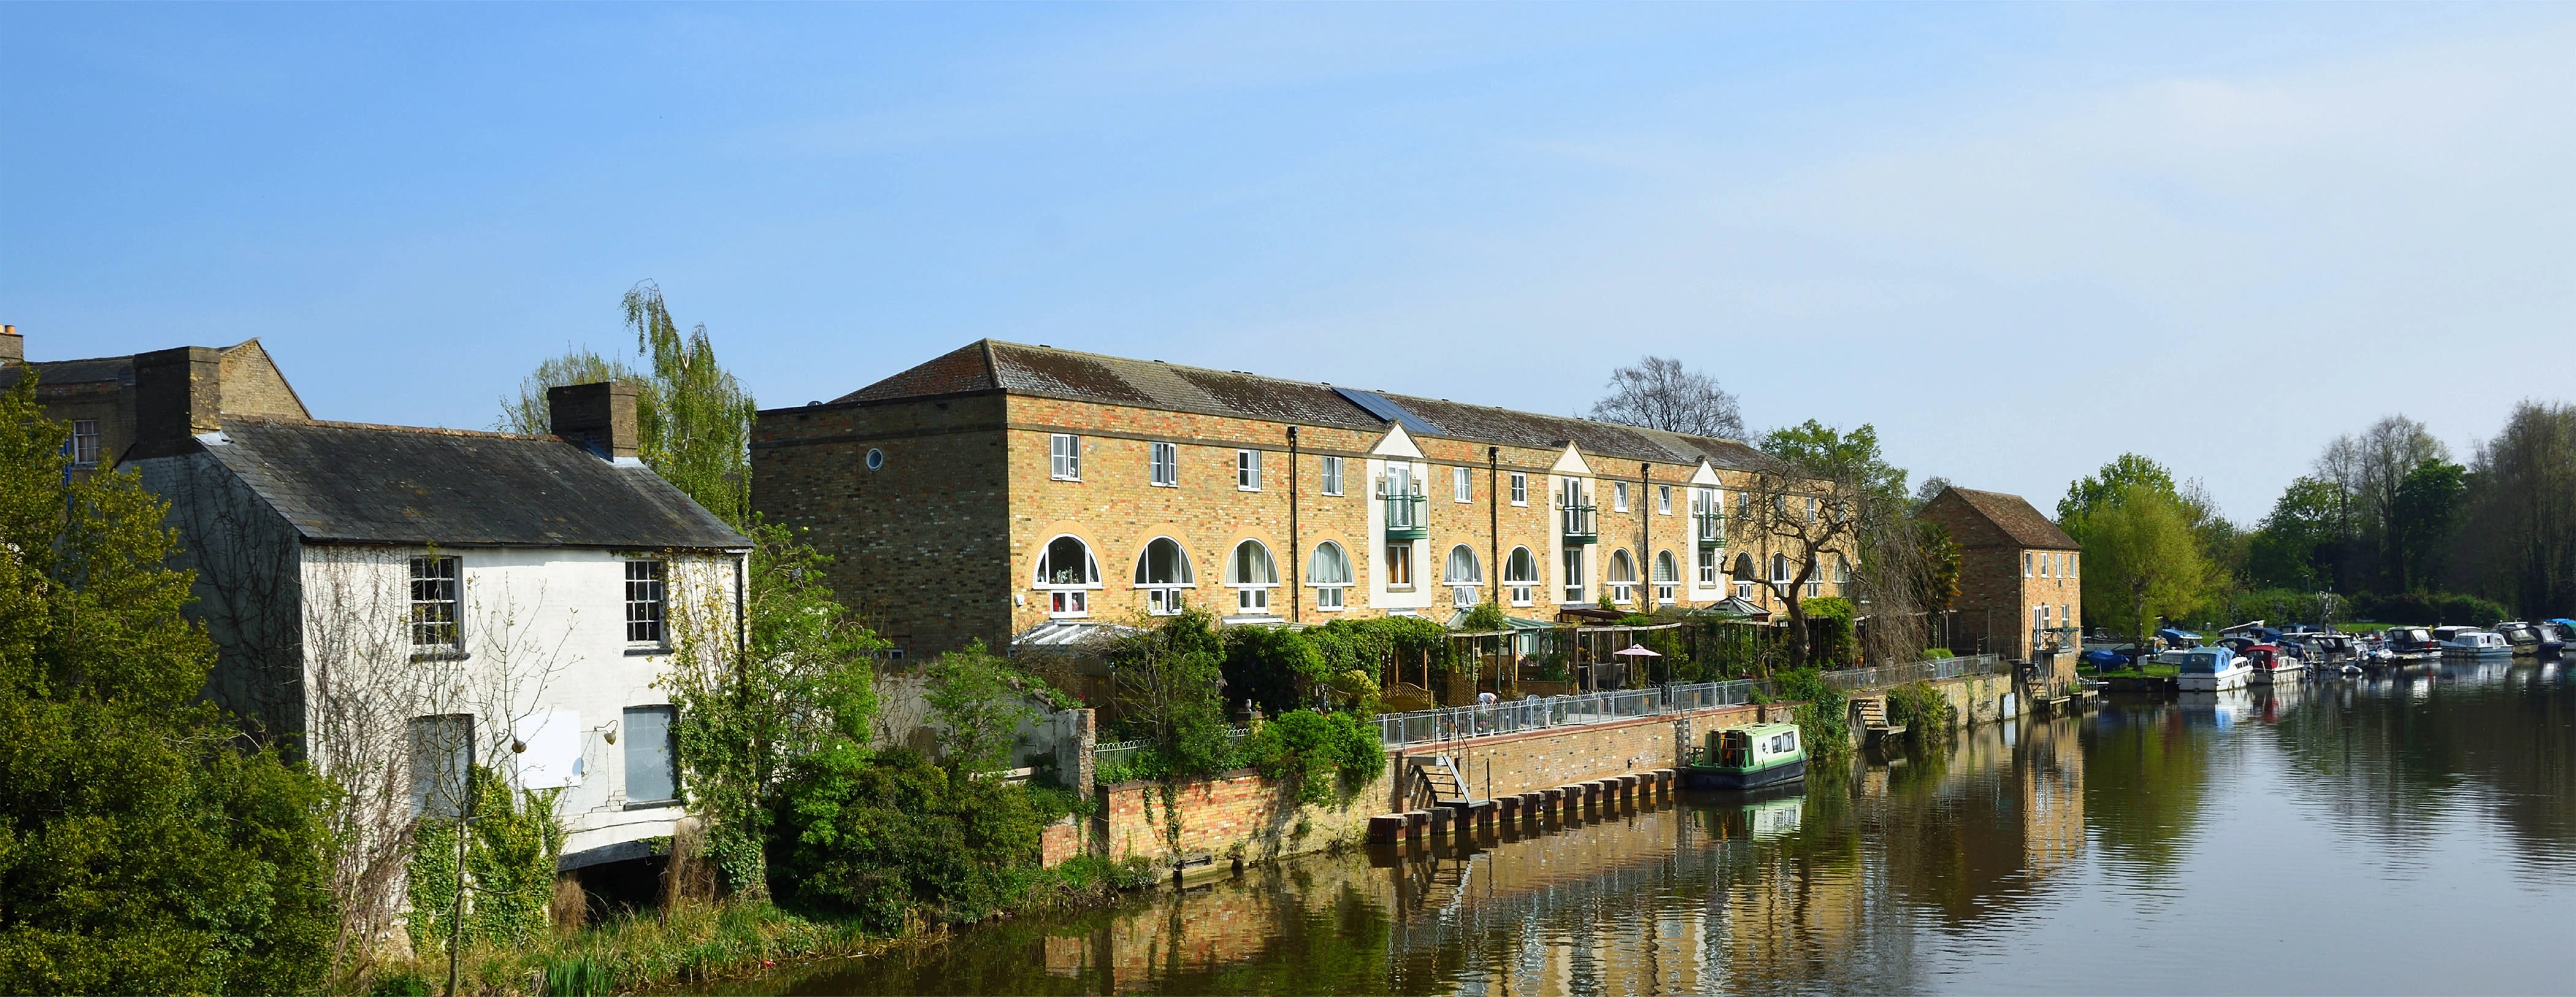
2269,664
2209,669
2469,643
1750,757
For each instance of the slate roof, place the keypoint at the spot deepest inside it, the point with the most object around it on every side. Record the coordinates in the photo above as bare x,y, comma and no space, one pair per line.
56,373
355,483
1046,372
2019,521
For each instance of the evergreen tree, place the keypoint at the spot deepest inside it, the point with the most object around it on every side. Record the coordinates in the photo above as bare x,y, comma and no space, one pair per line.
142,848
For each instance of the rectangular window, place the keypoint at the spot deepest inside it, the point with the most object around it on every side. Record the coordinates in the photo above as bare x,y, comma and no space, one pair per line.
1068,602
1574,576
1619,496
1166,463
644,603
1521,594
2070,565
2025,564
1463,487
1247,470
649,775
84,443
1520,488
1708,558
1399,565
1164,602
1328,598
442,752
1064,457
433,603
1332,475
1663,500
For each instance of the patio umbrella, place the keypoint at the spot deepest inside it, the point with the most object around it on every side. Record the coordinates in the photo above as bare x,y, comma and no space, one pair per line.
1637,650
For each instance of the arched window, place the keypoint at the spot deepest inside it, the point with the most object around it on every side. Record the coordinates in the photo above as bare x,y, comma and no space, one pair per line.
1622,579
1329,571
1066,571
1668,577
1842,576
1163,570
1465,577
1252,574
1743,574
1520,572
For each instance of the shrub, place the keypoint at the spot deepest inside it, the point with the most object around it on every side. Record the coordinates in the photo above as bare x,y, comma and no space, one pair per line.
1485,618
1823,723
1920,707
1830,631
1274,668
1937,653
510,855
893,837
1313,754
2429,608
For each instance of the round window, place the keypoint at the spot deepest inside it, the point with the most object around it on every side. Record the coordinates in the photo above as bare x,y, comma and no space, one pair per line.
876,458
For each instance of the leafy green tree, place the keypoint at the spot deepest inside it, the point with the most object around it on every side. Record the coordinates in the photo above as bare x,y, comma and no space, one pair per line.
1170,687
697,434
142,848
980,702
2112,483
1312,755
891,837
1275,668
531,414
2141,559
1836,505
801,684
2421,521
2294,547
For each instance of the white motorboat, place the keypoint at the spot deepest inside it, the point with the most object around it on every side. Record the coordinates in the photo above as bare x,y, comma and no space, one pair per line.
2209,669
2476,644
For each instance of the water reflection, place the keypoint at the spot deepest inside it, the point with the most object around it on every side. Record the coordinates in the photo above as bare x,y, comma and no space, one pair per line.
2233,842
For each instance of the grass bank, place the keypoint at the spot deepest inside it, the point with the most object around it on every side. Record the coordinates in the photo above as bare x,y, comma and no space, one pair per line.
702,940
2147,671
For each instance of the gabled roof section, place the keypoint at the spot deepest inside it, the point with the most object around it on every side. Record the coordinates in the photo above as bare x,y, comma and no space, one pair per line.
352,483
2016,518
1397,443
1706,474
251,383
1570,462
1047,372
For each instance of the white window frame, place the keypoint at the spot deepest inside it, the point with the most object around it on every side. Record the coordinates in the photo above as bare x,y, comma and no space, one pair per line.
1520,488
1621,593
1331,595
1163,462
2070,565
1618,496
1462,485
1709,559
1332,475
647,604
1464,593
1399,566
437,604
1067,600
1247,470
1573,568
1667,583
1663,500
1064,457
2026,565
1165,598
85,443
1251,595
1524,591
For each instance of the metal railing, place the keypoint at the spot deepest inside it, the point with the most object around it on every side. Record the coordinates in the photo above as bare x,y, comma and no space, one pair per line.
1581,523
1711,527
1889,676
1407,515
1543,712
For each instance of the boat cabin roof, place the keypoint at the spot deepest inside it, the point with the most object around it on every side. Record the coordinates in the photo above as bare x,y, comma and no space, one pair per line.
1761,730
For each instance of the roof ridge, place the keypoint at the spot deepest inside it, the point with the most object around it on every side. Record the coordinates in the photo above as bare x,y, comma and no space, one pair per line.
388,427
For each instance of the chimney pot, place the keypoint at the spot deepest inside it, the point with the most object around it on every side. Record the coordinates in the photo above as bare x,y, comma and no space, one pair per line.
13,347
599,416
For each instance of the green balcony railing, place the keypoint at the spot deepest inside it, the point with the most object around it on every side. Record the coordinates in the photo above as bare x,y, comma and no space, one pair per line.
1709,527
1408,517
1582,524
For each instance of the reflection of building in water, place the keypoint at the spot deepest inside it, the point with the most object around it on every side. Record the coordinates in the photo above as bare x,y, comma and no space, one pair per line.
2052,792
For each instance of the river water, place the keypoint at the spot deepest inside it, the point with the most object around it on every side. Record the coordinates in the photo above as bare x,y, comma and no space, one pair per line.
2412,834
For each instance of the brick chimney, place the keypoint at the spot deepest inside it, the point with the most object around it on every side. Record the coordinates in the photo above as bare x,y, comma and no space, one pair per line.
599,416
178,393
13,347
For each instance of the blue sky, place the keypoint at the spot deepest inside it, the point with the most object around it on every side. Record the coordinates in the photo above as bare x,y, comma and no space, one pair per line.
2018,239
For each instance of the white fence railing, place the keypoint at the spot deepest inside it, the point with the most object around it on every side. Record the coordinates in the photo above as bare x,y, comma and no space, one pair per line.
1889,676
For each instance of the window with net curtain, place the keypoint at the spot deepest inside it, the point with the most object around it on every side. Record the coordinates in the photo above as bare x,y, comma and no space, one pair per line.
1667,577
1464,576
1520,574
1622,580
1329,571
1162,571
1252,574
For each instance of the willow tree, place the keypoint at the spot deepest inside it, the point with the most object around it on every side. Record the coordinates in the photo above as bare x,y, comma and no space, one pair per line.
2141,559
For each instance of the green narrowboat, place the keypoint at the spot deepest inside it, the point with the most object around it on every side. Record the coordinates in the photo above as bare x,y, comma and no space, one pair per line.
1751,757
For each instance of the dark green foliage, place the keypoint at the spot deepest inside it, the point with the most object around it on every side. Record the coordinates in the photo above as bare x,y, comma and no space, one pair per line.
980,701
142,849
1274,668
1824,724
1831,631
1168,684
2428,608
2421,522
2296,546
1920,708
1485,618
510,852
1313,755
891,838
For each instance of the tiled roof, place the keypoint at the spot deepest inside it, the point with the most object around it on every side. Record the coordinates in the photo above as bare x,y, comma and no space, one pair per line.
346,482
1047,372
2019,521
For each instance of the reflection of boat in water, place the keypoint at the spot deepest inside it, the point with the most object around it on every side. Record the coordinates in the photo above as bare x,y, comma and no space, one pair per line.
2208,669
1750,757
2223,708
1760,814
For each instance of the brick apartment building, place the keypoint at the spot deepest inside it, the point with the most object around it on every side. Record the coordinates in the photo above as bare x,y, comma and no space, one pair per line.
2019,589
1005,491
97,396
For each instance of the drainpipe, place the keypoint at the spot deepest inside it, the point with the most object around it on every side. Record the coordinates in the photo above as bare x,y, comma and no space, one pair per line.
1296,581
1646,532
1494,515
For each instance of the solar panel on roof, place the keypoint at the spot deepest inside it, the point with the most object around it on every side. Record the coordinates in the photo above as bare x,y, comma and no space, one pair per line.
1387,411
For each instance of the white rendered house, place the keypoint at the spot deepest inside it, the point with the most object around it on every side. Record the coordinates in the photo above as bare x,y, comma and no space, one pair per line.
398,602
